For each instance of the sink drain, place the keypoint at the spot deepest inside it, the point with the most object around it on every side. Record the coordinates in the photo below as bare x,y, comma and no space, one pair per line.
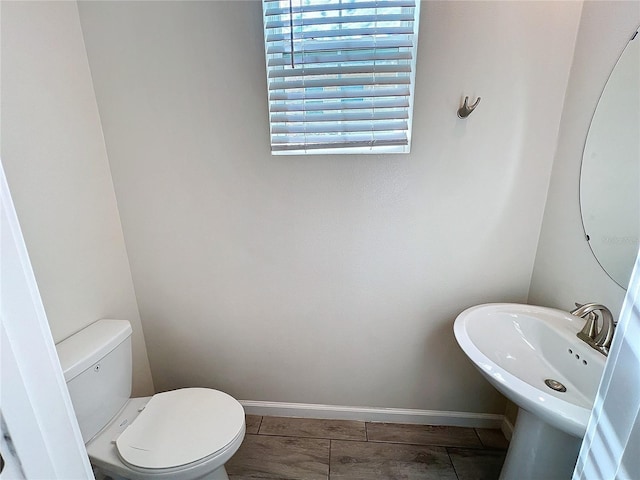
555,385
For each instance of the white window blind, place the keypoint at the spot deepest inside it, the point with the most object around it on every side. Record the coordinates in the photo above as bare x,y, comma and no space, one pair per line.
340,74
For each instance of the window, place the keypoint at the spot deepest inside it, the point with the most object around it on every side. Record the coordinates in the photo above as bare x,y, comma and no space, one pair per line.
340,74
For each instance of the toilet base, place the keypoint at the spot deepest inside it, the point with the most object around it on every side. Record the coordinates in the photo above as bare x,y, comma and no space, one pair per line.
217,474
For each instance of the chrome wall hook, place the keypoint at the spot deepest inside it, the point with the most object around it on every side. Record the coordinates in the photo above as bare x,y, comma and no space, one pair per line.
465,110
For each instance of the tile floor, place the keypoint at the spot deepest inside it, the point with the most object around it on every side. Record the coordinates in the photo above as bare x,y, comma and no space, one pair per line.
306,449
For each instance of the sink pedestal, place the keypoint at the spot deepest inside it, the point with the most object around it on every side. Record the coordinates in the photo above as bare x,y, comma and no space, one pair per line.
538,450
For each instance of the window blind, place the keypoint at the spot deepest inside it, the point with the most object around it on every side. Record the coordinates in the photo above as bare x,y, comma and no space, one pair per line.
340,74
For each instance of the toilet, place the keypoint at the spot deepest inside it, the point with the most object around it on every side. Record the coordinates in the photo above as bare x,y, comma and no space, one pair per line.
184,434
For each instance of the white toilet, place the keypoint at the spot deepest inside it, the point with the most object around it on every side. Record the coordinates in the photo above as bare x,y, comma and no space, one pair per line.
184,434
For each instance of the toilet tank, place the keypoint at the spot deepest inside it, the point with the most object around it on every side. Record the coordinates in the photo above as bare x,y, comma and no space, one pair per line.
96,363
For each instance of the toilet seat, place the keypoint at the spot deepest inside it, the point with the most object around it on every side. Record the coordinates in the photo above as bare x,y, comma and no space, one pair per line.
180,427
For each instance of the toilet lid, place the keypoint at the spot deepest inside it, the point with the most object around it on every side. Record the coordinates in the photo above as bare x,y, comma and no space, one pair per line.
179,427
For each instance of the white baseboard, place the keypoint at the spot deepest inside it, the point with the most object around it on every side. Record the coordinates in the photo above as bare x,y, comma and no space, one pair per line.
369,414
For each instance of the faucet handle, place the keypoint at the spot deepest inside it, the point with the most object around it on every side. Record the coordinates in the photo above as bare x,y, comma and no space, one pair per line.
576,311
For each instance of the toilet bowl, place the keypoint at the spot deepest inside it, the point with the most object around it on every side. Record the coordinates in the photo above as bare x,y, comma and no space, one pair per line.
184,434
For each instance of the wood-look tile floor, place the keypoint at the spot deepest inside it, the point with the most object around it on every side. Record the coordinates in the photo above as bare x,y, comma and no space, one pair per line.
307,449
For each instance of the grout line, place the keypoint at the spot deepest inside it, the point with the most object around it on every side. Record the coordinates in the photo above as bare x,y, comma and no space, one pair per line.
475,430
260,424
290,435
452,465
330,448
439,445
366,431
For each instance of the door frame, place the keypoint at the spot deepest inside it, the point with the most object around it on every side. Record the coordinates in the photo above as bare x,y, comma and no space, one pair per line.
38,419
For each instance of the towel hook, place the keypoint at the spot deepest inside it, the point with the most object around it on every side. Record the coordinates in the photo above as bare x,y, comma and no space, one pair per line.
465,110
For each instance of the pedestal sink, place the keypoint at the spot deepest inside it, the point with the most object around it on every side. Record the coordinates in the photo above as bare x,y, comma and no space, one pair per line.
532,355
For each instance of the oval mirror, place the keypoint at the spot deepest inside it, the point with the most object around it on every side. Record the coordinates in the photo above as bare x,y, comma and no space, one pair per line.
610,175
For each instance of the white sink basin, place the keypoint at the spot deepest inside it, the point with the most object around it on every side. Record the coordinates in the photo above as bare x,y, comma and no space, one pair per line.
517,347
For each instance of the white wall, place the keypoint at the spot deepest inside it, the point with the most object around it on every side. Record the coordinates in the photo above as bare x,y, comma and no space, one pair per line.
565,269
55,161
325,279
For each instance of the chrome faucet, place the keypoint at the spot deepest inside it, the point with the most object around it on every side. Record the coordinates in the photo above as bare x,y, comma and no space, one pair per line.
599,339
